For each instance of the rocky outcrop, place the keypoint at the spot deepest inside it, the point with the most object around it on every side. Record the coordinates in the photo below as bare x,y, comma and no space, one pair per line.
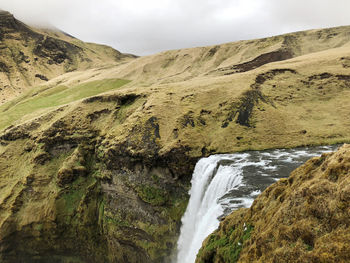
70,191
303,218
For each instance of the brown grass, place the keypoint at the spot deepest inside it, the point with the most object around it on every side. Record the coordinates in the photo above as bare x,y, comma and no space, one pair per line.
304,218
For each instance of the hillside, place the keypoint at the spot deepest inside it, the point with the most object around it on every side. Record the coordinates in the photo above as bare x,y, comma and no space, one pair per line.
95,163
295,101
30,56
303,218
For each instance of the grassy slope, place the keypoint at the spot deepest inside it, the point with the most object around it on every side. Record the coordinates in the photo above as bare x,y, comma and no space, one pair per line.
31,56
43,99
193,112
197,107
200,85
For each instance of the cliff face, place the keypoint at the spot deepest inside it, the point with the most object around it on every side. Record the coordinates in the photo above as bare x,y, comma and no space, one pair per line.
72,190
303,218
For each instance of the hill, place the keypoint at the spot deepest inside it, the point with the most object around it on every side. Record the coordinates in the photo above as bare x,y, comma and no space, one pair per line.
95,163
31,56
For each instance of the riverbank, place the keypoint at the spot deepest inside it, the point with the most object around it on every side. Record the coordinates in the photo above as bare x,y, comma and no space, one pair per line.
303,218
226,182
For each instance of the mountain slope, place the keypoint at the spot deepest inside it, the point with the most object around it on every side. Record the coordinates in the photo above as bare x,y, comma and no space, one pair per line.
32,56
232,58
108,174
288,103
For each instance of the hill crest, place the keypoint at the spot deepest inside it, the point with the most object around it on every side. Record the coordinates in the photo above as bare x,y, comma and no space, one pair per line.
31,56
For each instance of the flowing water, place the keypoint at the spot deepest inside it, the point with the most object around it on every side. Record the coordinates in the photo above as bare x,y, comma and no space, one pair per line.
225,182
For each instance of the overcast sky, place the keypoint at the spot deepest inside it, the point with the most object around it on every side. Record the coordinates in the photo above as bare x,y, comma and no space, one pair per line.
148,26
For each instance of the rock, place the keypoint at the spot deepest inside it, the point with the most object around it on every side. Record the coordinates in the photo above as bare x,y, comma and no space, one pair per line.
42,77
41,158
65,176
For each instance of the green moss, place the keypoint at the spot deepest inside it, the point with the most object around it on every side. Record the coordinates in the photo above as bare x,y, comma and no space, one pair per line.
38,227
116,220
152,195
127,109
227,247
71,198
177,209
309,247
98,174
155,178
163,242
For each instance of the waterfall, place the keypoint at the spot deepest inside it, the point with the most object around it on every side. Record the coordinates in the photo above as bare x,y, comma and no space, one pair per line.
210,181
223,183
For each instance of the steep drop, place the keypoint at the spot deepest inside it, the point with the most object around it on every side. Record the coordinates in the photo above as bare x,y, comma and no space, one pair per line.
210,181
304,218
223,183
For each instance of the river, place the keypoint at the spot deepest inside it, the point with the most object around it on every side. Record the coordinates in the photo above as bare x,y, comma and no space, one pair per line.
225,182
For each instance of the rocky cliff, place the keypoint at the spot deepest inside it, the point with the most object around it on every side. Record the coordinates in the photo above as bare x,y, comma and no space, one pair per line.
74,188
303,218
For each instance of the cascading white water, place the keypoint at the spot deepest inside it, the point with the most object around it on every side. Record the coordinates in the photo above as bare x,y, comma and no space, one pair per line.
223,183
210,181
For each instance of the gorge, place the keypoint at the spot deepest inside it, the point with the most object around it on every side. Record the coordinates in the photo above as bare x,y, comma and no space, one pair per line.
97,147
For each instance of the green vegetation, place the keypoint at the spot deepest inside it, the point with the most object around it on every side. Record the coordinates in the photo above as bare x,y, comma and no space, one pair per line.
152,195
177,208
43,99
228,247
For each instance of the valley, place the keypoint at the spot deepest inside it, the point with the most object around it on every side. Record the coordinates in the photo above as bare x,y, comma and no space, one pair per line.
97,147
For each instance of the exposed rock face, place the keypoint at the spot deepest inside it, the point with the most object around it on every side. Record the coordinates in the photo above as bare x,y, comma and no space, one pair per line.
7,20
77,193
303,218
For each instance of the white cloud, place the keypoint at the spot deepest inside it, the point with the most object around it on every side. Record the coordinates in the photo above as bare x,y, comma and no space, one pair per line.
144,27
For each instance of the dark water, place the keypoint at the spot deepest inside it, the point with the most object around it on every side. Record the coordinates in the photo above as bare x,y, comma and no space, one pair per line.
262,168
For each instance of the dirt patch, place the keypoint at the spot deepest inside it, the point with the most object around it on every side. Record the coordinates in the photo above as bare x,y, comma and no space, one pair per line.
345,61
242,110
212,51
97,114
262,78
259,61
57,51
4,67
42,77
